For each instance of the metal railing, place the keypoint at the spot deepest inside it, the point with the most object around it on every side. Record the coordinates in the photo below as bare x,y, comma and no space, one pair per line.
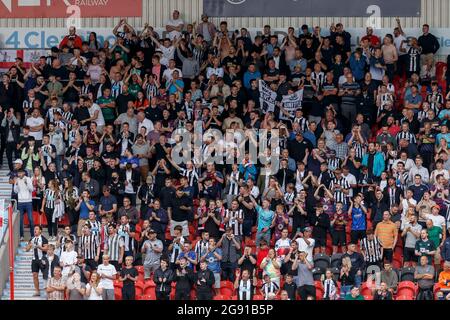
5,219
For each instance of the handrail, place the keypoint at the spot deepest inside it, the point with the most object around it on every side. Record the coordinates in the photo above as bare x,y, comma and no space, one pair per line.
6,226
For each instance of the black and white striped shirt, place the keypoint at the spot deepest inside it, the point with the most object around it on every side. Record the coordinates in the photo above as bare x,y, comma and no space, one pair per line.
116,88
95,227
67,116
234,183
289,198
176,249
233,222
319,78
414,59
113,245
38,254
303,122
407,136
191,175
201,248
28,103
62,241
245,290
50,198
360,149
151,90
333,164
88,246
128,240
372,250
267,288
339,196
436,100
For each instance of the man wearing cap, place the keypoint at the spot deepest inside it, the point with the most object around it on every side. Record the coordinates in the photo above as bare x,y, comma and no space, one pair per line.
23,187
297,147
180,211
206,28
152,248
306,244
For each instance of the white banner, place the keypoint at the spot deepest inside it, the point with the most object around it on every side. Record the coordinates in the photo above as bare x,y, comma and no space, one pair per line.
267,97
291,103
26,38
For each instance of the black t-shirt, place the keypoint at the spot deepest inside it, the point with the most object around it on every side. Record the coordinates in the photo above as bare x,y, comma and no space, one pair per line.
248,265
177,213
291,289
83,278
132,272
122,102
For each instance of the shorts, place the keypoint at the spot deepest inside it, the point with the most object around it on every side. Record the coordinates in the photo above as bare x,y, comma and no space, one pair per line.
217,280
36,267
149,269
320,242
409,255
356,235
437,256
184,224
339,238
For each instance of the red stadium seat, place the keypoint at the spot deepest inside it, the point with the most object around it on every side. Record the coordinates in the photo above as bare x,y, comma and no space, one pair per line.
366,289
118,293
407,288
226,288
193,294
149,287
222,297
149,297
404,298
138,297
118,284
368,297
258,297
139,287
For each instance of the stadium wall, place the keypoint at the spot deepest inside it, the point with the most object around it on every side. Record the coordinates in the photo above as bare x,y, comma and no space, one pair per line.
156,12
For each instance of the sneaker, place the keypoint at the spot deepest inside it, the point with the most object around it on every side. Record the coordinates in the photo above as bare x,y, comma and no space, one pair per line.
21,239
37,294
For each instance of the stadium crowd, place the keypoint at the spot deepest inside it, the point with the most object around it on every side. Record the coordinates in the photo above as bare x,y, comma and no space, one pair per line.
358,208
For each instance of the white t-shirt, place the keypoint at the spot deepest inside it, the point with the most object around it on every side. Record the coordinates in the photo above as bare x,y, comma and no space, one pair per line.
174,23
303,246
168,54
147,123
167,74
94,295
351,180
100,120
438,220
34,122
108,270
398,42
217,71
68,258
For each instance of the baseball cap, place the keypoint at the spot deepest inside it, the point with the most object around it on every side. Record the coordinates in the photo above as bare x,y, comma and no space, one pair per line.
307,229
436,206
18,161
151,231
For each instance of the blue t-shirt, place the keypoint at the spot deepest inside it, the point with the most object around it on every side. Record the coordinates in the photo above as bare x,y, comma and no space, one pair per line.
191,255
84,210
358,219
445,136
265,218
213,262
